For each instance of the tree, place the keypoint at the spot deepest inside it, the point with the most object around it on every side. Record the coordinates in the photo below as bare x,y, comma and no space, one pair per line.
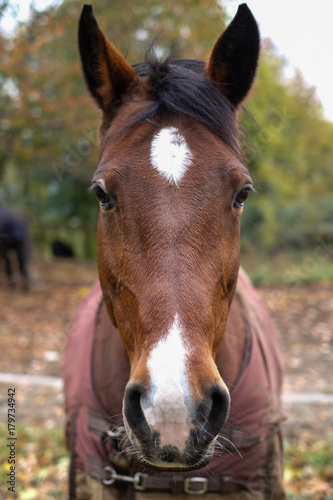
289,147
48,122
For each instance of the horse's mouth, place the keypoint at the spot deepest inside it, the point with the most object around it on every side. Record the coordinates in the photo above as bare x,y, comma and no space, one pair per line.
169,458
176,467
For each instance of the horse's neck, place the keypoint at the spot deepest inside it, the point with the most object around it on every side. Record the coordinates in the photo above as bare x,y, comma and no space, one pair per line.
111,369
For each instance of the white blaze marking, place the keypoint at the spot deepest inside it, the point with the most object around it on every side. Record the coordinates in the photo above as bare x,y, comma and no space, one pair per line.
166,410
170,154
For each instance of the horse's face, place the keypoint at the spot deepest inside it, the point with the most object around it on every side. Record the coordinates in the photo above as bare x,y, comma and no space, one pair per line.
168,255
171,194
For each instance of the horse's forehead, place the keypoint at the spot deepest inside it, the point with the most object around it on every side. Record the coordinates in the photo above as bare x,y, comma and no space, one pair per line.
171,149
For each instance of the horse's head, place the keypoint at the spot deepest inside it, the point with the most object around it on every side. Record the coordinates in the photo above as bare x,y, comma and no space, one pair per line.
171,188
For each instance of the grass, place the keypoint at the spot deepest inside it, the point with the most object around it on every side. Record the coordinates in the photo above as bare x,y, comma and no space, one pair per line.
41,464
305,267
289,268
309,468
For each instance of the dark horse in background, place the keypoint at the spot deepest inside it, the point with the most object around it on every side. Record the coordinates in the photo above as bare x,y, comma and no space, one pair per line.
15,244
172,370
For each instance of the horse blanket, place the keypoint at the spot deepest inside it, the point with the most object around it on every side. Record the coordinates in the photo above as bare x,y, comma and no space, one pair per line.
246,461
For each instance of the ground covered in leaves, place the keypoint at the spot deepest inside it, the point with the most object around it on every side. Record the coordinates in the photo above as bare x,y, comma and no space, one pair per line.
33,331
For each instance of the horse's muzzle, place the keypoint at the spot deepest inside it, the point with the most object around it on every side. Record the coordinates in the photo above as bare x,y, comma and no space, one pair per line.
167,440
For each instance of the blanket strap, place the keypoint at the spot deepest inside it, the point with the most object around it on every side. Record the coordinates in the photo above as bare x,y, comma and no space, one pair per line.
104,473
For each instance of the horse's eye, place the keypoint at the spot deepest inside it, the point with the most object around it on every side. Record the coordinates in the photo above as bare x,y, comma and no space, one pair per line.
241,198
105,201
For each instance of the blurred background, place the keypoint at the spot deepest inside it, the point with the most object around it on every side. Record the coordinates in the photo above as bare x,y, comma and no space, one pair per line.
48,146
48,154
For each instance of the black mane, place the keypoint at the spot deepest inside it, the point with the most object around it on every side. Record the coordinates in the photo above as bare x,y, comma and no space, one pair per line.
180,86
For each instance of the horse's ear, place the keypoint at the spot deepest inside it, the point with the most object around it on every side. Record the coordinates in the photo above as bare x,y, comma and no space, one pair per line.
106,72
233,61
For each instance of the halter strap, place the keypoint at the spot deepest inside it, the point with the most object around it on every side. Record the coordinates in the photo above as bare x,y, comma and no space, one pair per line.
105,474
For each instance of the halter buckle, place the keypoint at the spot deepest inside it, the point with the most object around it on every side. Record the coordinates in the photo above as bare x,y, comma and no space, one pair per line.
111,476
190,485
137,483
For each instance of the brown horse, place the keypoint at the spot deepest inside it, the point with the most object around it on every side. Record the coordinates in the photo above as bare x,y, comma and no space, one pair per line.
171,185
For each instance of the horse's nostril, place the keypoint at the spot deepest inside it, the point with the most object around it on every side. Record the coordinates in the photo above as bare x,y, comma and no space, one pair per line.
220,406
213,412
134,413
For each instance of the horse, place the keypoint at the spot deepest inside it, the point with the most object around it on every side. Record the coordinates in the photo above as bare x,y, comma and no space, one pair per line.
62,249
14,239
172,369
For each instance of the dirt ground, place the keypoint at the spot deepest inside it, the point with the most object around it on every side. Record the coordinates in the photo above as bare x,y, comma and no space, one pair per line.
34,326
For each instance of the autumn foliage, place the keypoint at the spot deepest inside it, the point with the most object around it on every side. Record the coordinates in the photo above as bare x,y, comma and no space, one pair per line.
48,125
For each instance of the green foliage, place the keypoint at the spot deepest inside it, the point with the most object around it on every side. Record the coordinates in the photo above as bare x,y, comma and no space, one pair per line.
48,124
289,149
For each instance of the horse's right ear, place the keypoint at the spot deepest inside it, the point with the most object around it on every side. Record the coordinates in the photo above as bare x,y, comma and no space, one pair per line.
107,74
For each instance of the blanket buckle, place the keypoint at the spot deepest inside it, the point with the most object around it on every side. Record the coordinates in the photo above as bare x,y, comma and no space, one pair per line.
190,485
112,476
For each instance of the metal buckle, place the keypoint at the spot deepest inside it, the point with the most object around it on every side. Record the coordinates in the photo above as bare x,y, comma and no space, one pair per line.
111,472
195,480
136,480
116,432
137,483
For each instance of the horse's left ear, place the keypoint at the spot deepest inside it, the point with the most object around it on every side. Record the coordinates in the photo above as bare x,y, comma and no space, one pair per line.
233,61
108,75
